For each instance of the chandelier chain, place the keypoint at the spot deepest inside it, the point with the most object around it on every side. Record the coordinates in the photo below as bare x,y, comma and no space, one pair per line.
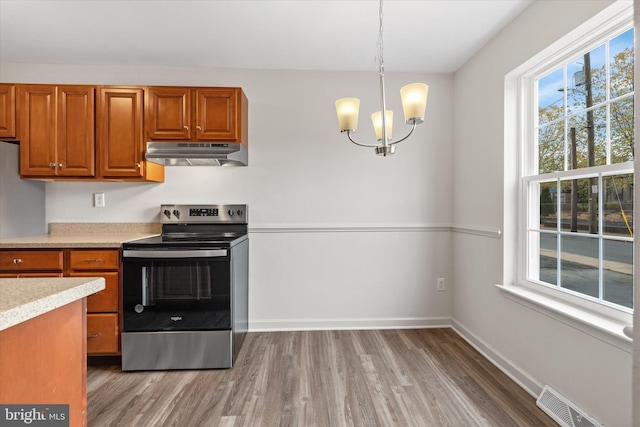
381,39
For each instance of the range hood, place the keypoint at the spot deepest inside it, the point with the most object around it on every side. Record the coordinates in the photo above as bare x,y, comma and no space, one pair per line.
196,154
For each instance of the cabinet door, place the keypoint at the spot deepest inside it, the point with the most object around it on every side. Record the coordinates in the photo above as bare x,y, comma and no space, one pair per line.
76,142
120,133
102,333
106,300
38,130
217,114
8,111
168,115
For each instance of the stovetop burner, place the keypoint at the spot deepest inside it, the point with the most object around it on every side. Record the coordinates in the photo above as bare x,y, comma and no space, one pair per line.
210,226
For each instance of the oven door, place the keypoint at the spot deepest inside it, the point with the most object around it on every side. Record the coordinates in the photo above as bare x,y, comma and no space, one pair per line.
176,290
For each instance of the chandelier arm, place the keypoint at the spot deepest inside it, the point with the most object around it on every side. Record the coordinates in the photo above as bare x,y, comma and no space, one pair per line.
358,143
407,136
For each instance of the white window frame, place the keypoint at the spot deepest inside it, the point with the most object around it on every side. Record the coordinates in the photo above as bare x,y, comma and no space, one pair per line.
520,121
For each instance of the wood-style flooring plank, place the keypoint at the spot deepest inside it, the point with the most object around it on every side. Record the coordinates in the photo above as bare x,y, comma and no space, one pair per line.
415,377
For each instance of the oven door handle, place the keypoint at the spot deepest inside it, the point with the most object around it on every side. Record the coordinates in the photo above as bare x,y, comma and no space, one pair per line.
197,253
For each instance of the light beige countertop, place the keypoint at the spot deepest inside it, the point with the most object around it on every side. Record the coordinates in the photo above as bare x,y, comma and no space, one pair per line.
24,299
84,235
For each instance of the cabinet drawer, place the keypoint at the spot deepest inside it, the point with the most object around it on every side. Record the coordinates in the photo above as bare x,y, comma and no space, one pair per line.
31,260
102,333
107,299
94,259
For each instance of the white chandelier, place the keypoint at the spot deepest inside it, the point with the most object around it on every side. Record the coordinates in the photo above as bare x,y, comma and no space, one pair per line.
414,104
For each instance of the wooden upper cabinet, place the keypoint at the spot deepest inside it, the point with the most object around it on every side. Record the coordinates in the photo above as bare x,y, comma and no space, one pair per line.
197,114
120,134
38,130
8,126
219,117
57,131
76,131
168,114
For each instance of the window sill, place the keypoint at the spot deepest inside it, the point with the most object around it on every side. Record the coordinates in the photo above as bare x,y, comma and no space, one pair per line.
611,331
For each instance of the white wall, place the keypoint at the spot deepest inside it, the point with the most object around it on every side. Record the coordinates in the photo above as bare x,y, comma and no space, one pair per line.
534,348
340,237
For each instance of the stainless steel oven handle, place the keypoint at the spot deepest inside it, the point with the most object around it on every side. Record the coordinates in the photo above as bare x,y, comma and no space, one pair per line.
198,253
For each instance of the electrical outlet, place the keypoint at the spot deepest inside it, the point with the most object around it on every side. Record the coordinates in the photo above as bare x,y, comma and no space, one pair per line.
440,284
98,200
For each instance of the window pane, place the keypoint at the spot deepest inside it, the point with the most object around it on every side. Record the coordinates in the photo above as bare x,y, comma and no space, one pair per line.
621,63
618,272
551,148
622,130
548,258
579,265
551,97
617,196
587,76
579,204
548,204
587,136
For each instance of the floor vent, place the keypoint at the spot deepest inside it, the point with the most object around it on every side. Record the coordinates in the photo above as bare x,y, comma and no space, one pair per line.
563,411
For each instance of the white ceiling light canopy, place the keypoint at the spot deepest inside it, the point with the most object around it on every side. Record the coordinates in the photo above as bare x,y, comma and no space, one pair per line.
414,103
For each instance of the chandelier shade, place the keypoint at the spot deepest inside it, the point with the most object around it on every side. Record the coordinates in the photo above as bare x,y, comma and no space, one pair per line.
376,118
347,110
414,102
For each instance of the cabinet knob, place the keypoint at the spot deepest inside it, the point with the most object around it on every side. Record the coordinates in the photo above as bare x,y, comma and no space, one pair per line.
52,165
138,165
185,127
59,165
198,127
17,260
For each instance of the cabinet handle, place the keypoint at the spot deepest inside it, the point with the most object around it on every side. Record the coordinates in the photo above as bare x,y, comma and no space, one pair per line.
17,260
185,127
52,165
93,335
92,260
198,127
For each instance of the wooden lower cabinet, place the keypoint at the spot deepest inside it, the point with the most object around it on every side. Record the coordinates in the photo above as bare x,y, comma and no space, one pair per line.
102,333
103,308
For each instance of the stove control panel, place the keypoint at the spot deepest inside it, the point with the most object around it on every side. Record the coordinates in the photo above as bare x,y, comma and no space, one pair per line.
187,214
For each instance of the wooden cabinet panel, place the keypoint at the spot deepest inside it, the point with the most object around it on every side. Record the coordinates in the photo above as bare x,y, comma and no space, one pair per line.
107,299
57,135
28,261
120,134
76,130
8,126
81,259
43,361
38,130
196,114
102,333
168,113
217,115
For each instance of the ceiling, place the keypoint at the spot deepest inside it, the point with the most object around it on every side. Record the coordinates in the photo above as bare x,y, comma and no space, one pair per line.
432,36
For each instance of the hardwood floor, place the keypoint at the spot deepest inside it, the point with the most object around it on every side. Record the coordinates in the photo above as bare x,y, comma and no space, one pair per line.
426,377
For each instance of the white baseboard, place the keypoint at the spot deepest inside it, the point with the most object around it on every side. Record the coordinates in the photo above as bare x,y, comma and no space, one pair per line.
509,368
348,324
